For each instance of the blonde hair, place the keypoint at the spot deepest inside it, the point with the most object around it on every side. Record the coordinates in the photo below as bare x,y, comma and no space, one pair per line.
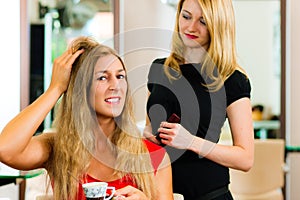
76,123
221,53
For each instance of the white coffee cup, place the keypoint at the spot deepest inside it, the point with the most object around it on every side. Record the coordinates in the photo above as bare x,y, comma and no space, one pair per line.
97,190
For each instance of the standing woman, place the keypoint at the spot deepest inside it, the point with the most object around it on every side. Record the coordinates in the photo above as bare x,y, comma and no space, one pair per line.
95,136
202,83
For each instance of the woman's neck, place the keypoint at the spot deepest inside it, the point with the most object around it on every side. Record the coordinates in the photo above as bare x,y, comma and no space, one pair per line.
194,55
107,126
102,169
104,149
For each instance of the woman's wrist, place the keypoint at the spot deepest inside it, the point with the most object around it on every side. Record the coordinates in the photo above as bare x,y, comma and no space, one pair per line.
196,142
55,90
201,146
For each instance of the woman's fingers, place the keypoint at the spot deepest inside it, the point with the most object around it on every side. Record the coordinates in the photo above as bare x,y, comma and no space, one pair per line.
75,55
67,58
63,57
130,193
62,67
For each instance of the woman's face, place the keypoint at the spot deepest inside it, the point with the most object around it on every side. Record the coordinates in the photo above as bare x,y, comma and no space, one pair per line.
108,92
192,26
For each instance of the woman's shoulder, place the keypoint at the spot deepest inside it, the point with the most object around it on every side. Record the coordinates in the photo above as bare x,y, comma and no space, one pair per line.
157,153
237,78
156,70
152,147
238,74
237,86
159,60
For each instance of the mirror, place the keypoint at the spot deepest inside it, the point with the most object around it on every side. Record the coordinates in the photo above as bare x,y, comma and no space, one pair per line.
53,24
258,39
258,47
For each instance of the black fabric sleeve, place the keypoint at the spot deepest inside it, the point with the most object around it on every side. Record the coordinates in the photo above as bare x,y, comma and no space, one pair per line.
237,86
155,69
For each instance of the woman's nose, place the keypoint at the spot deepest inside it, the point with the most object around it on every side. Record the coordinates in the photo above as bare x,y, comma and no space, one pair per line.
192,26
114,84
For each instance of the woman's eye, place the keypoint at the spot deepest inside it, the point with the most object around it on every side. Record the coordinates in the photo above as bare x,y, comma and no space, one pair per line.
101,78
121,76
202,21
185,16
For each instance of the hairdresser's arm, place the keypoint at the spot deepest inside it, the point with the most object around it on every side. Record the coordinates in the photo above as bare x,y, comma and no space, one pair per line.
238,156
241,154
17,146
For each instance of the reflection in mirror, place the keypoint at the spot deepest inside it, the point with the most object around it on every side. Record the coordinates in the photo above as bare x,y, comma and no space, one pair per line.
53,25
258,40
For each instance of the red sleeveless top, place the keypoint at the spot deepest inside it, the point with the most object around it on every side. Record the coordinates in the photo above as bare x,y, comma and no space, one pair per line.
157,154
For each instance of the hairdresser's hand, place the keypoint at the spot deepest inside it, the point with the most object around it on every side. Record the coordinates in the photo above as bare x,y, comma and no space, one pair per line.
61,71
129,193
147,133
175,135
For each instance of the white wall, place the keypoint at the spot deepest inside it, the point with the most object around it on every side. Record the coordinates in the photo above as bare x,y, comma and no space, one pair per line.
293,96
10,61
257,51
293,72
9,72
147,30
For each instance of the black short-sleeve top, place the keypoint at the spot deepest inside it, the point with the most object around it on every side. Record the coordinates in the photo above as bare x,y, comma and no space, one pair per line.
202,113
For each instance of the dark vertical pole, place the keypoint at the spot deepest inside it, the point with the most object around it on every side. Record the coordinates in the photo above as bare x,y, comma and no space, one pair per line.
283,78
283,69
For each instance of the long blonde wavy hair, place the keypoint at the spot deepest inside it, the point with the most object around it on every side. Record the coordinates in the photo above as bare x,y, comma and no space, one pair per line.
221,53
75,123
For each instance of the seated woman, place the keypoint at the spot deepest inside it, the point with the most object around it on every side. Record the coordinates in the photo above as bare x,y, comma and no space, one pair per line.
95,137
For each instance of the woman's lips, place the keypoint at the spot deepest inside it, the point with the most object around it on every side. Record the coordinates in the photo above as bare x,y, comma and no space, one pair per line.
191,36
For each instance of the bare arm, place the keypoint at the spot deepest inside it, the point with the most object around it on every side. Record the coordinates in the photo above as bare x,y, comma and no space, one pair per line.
241,154
17,146
238,156
34,155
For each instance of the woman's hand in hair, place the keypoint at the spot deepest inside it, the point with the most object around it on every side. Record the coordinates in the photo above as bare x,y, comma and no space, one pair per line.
61,71
130,193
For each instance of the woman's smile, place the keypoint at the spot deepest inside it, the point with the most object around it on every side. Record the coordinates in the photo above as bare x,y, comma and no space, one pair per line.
113,100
